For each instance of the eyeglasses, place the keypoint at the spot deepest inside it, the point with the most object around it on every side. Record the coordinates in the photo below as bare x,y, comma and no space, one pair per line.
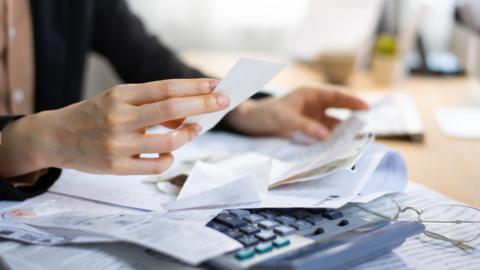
453,223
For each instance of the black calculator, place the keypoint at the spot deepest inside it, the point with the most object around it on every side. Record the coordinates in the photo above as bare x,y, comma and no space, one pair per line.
303,238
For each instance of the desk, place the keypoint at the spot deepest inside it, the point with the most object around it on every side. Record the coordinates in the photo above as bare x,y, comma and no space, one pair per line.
450,166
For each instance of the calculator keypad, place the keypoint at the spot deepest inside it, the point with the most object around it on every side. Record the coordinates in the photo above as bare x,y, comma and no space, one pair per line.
261,231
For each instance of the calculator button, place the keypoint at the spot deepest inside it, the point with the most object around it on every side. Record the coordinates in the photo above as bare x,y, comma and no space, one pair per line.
235,234
318,231
245,254
267,224
281,242
239,212
230,221
301,225
263,248
217,226
266,236
284,230
332,214
344,222
299,213
250,229
248,240
254,218
285,220
315,219
269,213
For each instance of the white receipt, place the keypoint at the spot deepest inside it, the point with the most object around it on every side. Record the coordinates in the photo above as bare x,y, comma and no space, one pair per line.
239,191
79,257
244,79
237,180
17,231
188,242
379,165
129,191
206,176
340,151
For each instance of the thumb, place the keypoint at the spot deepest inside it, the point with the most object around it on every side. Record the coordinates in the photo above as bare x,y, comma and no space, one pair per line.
309,127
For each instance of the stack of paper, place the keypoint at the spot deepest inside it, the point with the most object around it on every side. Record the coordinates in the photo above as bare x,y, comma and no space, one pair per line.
240,180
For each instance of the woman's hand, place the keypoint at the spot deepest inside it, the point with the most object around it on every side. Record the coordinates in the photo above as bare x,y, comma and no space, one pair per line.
106,134
302,110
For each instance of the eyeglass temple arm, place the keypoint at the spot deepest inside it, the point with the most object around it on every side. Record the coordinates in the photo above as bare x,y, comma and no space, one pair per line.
449,221
459,244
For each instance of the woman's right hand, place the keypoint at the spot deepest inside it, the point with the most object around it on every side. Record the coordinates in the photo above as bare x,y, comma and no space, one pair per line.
106,134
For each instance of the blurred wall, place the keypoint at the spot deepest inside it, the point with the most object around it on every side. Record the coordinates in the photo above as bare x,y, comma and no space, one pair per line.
247,25
251,25
222,25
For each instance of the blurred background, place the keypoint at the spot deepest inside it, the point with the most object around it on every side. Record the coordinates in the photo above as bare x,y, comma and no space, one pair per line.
389,37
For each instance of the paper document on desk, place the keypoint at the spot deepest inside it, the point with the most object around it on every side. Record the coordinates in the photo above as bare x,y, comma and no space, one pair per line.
244,178
17,231
93,257
224,183
178,239
344,168
244,79
379,167
378,172
48,204
129,191
340,151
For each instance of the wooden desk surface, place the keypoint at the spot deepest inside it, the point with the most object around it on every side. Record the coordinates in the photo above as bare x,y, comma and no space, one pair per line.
450,166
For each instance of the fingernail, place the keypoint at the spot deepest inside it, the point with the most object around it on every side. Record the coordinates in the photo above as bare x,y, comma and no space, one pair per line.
197,128
322,132
214,84
223,100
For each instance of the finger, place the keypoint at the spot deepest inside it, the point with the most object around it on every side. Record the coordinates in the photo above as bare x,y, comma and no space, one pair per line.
176,108
138,94
330,122
173,124
164,143
339,99
145,166
308,126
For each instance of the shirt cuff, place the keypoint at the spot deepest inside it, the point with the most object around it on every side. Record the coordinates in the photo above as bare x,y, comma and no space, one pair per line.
9,192
27,180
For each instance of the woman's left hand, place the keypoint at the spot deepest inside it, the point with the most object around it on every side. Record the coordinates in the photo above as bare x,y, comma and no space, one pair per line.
302,110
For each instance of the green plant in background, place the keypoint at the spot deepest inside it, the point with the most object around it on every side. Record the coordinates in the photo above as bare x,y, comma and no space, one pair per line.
386,45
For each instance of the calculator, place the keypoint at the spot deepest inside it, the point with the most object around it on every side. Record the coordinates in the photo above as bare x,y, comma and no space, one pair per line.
306,239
